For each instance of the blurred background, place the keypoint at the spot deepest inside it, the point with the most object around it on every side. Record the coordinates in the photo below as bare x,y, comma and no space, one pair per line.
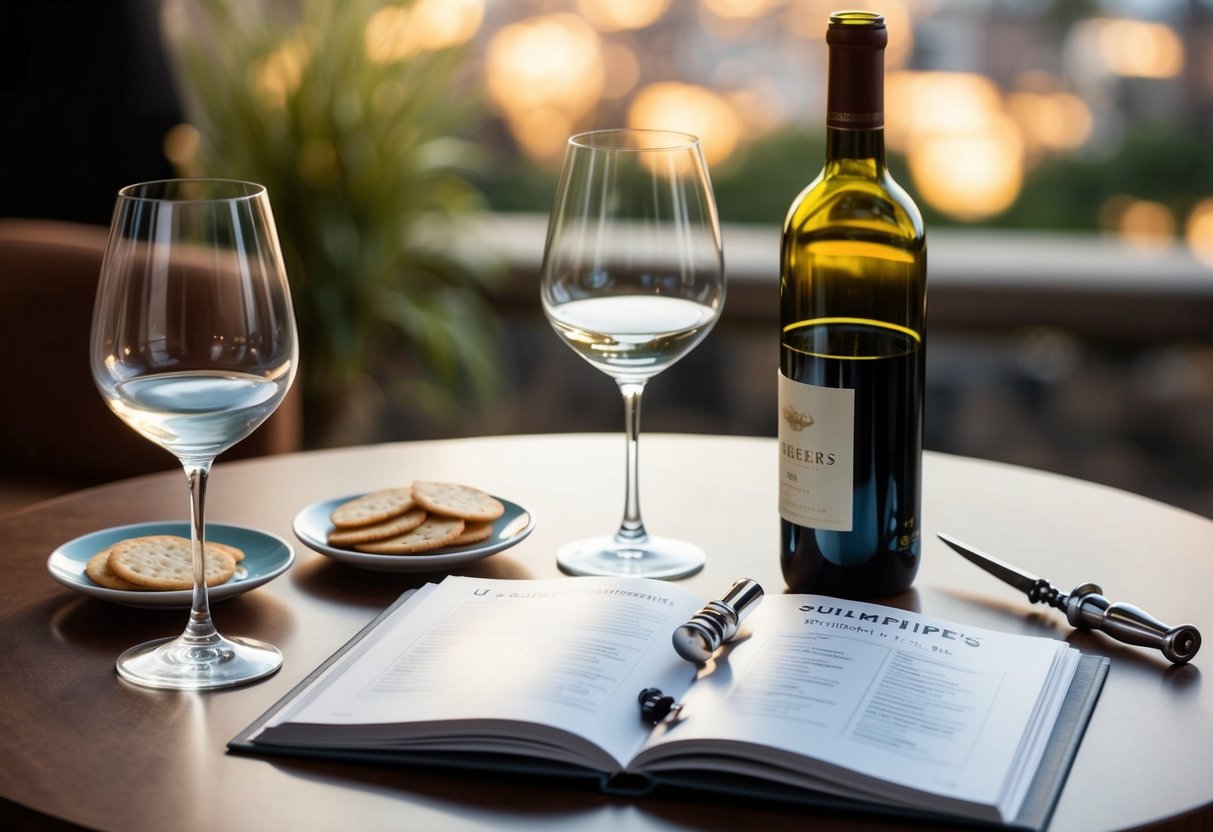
1060,151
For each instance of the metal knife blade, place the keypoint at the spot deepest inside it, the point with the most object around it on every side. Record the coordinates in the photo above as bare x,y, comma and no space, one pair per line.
1013,575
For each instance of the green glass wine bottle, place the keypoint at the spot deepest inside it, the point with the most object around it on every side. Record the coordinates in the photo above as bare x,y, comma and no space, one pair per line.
853,288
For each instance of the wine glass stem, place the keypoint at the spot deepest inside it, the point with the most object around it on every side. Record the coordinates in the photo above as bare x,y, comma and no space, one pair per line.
631,530
201,630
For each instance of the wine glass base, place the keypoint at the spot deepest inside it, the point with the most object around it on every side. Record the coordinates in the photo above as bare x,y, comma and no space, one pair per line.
173,663
655,557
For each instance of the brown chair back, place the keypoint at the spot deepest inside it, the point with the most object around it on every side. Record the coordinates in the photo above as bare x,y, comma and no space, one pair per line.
53,423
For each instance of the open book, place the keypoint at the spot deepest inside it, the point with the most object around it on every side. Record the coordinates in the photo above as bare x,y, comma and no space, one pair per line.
820,700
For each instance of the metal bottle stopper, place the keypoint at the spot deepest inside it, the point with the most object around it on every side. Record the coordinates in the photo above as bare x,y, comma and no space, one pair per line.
717,622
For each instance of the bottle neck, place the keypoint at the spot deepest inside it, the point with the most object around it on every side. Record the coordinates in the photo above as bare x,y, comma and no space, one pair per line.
861,146
855,91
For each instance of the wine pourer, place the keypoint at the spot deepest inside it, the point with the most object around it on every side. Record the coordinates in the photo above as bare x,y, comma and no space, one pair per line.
1087,609
717,622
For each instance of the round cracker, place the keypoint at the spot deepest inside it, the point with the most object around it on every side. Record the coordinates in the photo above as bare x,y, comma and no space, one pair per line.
473,533
411,519
236,553
371,508
99,572
165,562
455,500
434,533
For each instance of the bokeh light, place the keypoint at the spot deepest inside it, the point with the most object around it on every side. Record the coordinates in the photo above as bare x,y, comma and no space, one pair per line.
181,144
726,70
1198,232
965,153
616,15
545,74
1130,48
1142,224
969,174
1050,118
918,103
395,32
276,76
691,109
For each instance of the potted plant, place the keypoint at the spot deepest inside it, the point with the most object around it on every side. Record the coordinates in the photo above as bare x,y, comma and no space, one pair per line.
352,120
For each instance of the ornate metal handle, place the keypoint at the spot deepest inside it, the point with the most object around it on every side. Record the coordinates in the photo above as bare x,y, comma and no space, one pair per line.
1087,608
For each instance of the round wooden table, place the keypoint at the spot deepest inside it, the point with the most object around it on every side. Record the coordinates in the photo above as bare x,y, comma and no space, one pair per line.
81,746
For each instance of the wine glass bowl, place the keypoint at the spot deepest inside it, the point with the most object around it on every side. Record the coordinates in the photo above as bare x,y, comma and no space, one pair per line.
632,280
194,346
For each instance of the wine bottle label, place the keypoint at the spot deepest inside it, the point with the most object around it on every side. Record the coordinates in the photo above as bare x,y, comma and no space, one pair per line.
816,453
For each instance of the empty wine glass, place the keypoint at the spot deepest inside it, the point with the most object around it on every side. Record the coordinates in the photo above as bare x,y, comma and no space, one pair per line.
633,279
194,346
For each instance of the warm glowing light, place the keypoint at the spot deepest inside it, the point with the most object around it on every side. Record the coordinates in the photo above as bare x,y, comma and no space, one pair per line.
388,35
1147,225
1148,50
1140,223
447,23
181,144
544,74
1051,121
937,102
542,133
393,33
276,76
1199,231
691,109
614,15
546,61
1134,48
965,154
969,174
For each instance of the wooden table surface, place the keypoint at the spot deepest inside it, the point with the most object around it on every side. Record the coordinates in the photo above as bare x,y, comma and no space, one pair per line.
81,746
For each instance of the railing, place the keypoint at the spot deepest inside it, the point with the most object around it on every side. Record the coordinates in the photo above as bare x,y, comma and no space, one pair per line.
1071,353
1091,285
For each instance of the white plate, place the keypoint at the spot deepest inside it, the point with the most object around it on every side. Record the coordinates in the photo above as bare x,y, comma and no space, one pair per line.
266,556
312,527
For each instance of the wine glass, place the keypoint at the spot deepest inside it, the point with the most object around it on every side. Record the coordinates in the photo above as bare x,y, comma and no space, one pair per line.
194,346
632,280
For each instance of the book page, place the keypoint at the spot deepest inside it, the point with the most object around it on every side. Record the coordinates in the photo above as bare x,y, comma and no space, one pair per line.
891,695
573,655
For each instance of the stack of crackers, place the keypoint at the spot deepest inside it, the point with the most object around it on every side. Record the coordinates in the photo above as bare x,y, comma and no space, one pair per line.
162,562
414,519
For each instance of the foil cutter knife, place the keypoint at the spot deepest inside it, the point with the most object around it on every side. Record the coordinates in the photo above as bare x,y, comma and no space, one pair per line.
1087,609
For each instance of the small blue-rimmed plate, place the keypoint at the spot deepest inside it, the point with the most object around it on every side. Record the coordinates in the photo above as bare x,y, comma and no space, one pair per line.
312,527
266,556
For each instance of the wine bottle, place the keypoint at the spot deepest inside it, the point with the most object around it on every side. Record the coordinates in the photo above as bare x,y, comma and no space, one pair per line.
853,346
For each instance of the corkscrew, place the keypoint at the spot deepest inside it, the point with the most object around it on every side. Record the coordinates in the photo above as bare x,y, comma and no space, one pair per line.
1087,609
717,622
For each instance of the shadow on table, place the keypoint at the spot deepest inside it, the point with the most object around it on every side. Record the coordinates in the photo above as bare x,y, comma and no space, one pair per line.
540,801
1050,623
333,581
97,626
